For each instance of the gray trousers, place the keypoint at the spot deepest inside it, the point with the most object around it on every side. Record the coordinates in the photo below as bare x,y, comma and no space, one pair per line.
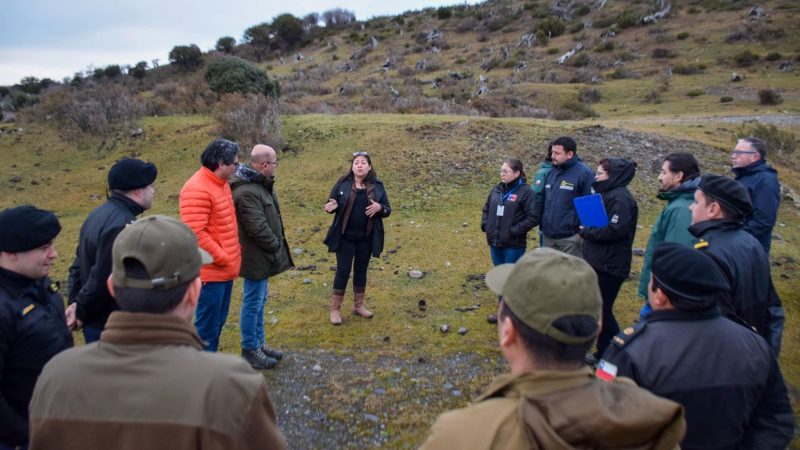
572,245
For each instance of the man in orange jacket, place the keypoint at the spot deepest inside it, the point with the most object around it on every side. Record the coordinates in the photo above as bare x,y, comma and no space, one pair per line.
206,206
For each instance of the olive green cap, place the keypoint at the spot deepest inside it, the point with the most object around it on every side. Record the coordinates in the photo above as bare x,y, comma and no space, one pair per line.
167,249
545,285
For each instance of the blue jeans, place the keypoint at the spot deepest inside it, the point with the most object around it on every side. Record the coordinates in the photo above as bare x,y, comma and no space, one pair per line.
503,255
251,320
91,334
212,311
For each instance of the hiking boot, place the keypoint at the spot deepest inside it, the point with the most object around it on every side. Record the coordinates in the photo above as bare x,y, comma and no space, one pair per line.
358,305
336,304
271,352
258,360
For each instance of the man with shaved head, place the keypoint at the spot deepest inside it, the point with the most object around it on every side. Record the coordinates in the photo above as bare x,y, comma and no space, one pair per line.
265,252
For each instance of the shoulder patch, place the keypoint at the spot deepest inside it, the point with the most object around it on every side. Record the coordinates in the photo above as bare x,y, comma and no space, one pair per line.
606,371
54,286
701,244
629,334
26,310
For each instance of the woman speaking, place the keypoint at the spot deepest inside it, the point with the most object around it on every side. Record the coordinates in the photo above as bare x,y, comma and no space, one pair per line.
359,200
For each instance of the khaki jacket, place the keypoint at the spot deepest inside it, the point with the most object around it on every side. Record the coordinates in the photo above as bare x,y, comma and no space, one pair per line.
148,385
560,411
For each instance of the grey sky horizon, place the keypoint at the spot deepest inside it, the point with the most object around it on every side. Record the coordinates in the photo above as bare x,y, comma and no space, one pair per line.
56,38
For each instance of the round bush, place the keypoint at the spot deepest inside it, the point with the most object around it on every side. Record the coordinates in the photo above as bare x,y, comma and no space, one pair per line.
230,74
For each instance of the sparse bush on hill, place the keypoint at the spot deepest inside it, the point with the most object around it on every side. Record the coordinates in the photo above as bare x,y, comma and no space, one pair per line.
443,13
682,35
745,58
466,25
231,74
112,71
250,119
338,18
689,69
573,110
774,56
628,19
577,27
589,95
653,96
225,44
660,53
620,73
139,70
606,46
769,97
580,60
725,99
551,27
287,32
187,57
696,92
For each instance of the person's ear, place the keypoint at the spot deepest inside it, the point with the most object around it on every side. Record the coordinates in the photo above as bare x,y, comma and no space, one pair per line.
507,331
193,293
110,286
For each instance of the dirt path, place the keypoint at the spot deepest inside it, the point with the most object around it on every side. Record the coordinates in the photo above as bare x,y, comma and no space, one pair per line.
780,120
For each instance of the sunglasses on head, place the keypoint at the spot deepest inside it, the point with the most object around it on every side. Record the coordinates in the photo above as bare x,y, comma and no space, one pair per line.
360,154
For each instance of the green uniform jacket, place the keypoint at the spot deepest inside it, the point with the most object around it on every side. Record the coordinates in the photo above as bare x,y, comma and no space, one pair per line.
561,411
671,226
265,252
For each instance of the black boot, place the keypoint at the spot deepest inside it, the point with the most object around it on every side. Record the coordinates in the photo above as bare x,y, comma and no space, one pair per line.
271,352
258,359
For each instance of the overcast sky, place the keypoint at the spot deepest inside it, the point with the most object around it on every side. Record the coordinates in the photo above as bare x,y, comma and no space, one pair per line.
56,38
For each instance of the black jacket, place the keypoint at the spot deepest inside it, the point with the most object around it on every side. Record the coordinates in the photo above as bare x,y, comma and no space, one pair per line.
341,193
746,266
555,212
761,181
32,330
92,264
510,229
608,249
724,375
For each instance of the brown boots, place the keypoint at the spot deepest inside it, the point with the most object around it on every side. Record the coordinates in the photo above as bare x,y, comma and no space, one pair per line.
358,304
336,304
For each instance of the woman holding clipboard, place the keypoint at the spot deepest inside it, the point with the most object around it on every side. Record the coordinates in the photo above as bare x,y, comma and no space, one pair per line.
608,249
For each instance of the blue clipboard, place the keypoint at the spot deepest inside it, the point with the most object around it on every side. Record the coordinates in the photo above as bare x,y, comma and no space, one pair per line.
591,211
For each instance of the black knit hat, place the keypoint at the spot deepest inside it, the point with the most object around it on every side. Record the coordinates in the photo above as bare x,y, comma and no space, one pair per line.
130,173
727,191
690,274
26,227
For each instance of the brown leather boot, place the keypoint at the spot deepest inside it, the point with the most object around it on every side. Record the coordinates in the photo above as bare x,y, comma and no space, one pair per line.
358,304
337,298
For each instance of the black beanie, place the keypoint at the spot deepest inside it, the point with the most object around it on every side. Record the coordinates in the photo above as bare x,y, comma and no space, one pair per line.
26,227
729,192
690,274
130,173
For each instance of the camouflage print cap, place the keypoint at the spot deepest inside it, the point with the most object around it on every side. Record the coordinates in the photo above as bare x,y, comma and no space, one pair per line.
545,285
164,246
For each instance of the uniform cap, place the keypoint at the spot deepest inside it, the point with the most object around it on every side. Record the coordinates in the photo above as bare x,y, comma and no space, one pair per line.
546,285
131,173
727,191
688,273
26,227
165,247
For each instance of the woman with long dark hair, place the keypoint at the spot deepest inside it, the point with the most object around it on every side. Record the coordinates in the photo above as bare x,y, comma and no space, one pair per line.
360,203
608,249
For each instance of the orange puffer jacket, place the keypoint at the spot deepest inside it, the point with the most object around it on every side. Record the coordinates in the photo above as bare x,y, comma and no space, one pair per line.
206,206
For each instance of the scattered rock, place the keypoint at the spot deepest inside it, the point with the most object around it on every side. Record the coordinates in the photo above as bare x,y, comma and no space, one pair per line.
422,305
307,267
387,339
298,251
465,224
372,418
638,252
447,386
15,179
735,77
137,132
416,274
757,12
456,393
306,280
317,368
444,328
462,331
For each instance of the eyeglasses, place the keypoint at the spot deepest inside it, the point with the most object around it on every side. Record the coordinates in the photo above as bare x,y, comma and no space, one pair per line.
505,171
362,153
274,163
598,173
743,152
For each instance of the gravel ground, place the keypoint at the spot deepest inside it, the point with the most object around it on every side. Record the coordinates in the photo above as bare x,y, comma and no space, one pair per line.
327,400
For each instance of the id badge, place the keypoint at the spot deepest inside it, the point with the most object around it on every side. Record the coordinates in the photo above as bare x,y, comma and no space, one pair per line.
500,209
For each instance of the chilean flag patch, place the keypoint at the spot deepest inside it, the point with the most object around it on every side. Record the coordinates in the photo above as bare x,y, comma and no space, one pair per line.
513,197
606,371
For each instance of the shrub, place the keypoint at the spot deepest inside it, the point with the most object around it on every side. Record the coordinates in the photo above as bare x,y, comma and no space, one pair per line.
4,91
589,95
231,74
573,110
659,53
725,99
187,57
695,92
552,50
627,19
682,35
250,119
576,28
582,10
112,71
444,13
620,73
745,58
551,26
466,24
606,46
773,56
769,97
604,22
653,96
689,69
225,44
580,60
139,70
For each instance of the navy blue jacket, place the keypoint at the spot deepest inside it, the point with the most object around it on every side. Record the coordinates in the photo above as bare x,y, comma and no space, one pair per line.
608,249
723,374
761,181
555,212
92,264
341,193
510,229
32,330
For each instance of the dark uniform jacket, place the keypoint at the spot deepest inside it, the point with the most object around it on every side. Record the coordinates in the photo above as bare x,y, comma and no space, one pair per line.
265,252
560,410
344,194
32,330
510,229
92,264
744,263
761,181
148,384
723,374
608,249
555,212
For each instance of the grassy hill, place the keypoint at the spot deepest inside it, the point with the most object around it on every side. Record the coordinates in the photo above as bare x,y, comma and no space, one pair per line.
438,170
